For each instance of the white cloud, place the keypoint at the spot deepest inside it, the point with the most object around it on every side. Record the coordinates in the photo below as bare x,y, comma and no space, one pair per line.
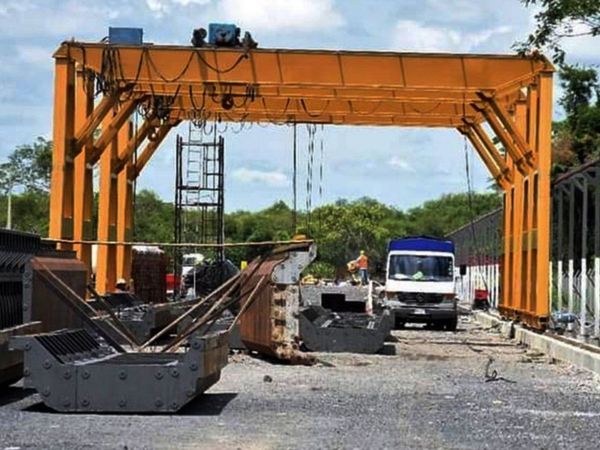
400,163
281,15
416,36
35,54
582,48
161,7
270,178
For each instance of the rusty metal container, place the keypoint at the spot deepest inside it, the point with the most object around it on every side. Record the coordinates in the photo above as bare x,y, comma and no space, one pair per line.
270,324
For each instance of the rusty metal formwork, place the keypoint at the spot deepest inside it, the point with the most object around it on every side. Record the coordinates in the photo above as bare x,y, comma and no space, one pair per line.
41,299
270,323
324,331
75,371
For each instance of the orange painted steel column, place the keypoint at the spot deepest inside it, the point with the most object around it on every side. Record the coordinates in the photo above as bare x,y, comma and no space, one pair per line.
61,185
522,234
106,265
517,237
544,146
124,206
507,273
532,107
83,181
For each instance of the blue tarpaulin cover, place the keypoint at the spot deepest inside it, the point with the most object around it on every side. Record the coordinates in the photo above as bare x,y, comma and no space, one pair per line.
422,243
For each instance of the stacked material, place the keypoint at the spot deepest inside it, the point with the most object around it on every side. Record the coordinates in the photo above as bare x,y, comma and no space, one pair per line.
149,270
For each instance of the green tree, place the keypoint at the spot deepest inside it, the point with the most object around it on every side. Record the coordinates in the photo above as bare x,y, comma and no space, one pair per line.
441,216
559,19
576,139
30,210
153,218
28,166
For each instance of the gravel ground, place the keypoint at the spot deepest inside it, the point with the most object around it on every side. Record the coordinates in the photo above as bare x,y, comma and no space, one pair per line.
427,391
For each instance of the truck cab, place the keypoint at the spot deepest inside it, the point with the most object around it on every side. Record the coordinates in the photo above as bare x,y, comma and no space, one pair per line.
419,285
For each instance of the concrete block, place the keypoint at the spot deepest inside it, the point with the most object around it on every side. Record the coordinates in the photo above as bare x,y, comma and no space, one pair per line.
559,349
580,355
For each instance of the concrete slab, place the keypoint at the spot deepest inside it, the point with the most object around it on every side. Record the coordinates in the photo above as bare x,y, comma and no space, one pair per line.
579,354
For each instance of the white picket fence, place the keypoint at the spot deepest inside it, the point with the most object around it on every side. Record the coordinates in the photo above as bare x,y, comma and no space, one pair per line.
578,292
479,277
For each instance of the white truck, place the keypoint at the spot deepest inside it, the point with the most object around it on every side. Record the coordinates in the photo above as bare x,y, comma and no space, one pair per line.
420,285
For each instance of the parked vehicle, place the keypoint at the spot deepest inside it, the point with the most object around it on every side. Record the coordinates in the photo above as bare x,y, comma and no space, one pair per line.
419,284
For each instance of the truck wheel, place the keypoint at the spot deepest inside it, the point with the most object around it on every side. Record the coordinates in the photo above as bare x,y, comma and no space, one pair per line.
452,324
439,326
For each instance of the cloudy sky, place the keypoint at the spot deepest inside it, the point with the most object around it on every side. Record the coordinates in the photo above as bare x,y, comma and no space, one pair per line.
401,167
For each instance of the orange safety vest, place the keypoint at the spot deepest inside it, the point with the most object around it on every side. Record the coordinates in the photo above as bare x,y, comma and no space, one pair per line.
363,262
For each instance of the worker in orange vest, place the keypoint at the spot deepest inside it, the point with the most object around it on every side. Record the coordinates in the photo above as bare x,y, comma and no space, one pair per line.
363,268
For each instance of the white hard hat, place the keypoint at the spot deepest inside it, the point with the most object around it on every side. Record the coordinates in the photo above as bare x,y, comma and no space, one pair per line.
121,281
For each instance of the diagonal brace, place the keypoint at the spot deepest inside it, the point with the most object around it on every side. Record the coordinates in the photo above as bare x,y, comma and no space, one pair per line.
492,150
487,159
150,148
147,129
86,131
112,129
506,130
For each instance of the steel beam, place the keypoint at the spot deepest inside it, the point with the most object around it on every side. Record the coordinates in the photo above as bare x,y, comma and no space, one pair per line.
531,217
439,121
542,199
518,136
283,67
106,266
485,157
83,195
521,230
110,129
149,150
126,153
506,139
125,205
61,186
86,129
492,151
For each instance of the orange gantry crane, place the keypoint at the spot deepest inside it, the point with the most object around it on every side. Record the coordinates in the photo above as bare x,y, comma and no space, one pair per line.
494,100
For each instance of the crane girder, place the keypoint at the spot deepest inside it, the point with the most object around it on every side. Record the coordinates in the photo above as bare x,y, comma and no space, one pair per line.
485,97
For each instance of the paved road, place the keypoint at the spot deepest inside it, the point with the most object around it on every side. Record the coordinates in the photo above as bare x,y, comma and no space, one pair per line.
431,393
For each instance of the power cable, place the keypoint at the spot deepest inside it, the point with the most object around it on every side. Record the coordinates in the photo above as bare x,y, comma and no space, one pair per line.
478,250
321,163
311,128
295,179
470,198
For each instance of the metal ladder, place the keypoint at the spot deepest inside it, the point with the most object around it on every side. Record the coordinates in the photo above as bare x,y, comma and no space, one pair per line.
200,182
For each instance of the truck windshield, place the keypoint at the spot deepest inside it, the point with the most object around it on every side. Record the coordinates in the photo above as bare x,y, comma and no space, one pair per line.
190,261
420,268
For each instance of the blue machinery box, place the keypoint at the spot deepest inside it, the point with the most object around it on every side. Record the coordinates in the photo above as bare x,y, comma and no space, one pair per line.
126,36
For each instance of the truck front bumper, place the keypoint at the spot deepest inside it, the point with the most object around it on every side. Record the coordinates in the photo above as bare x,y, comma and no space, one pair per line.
423,312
